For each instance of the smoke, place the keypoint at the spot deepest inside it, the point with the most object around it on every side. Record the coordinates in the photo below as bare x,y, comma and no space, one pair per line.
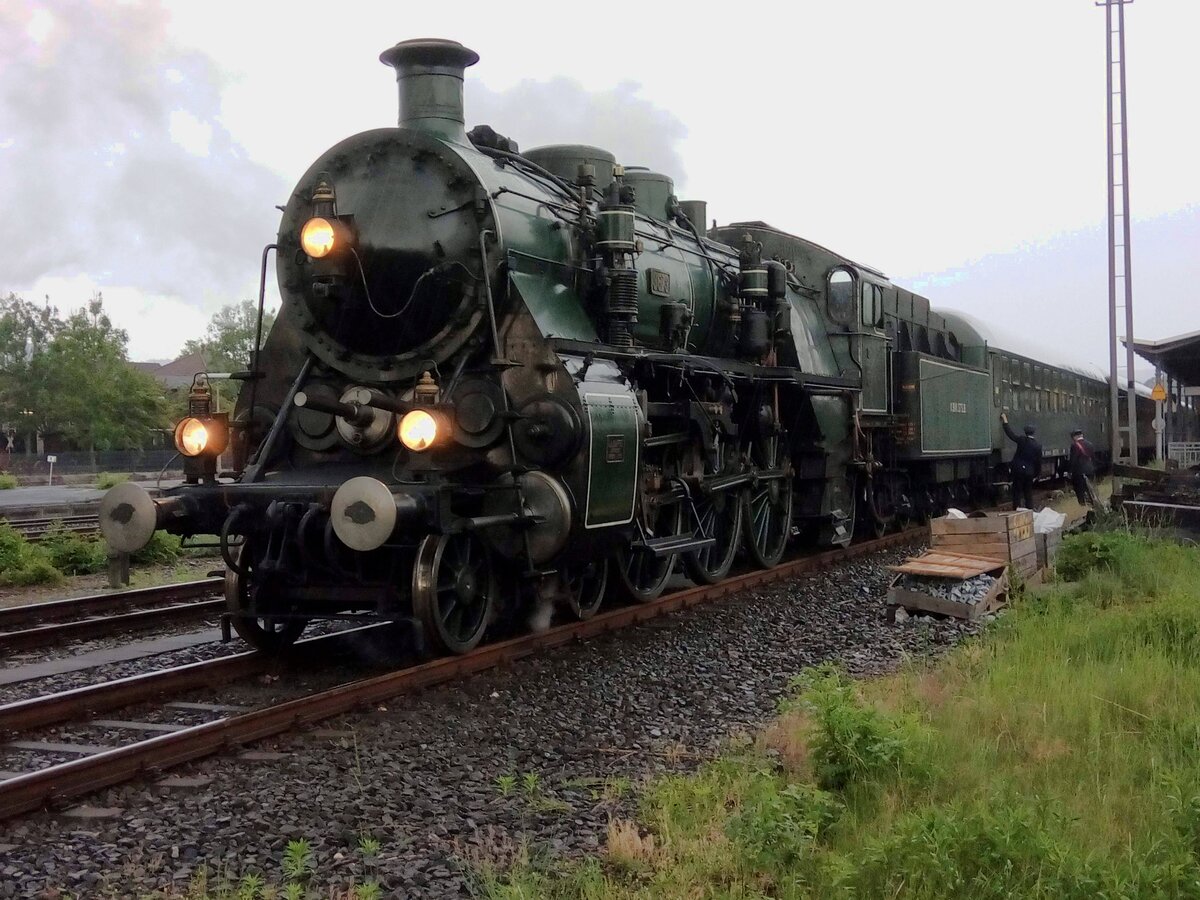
562,111
113,161
118,173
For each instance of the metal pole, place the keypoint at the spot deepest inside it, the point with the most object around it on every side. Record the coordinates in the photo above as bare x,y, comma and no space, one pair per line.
1131,394
1113,400
1160,419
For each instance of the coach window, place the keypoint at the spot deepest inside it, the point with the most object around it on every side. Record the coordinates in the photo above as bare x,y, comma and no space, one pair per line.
997,379
840,296
1027,370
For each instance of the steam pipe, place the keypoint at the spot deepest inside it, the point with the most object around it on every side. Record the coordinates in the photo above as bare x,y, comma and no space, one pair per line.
262,298
357,415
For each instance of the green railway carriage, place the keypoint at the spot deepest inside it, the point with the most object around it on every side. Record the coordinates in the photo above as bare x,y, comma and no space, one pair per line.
504,385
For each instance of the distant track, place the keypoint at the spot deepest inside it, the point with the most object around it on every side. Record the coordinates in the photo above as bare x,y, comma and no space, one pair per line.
35,529
83,618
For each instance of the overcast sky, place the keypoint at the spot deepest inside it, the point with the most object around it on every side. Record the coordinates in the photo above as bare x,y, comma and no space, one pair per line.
957,146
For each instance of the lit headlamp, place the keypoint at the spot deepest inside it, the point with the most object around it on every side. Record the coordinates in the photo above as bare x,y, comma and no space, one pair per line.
421,429
201,436
318,238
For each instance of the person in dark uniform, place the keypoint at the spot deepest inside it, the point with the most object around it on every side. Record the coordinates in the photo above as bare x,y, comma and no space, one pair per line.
1083,467
1026,463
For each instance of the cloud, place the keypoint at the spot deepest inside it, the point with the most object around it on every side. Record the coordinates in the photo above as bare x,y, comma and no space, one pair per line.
114,163
1057,290
562,111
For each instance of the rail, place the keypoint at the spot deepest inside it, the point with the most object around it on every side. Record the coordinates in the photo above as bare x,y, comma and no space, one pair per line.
40,624
57,783
36,529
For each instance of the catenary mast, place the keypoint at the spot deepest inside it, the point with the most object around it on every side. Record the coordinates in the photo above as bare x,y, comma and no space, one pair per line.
1119,268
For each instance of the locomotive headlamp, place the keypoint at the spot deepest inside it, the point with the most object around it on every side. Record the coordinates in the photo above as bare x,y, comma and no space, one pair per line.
418,430
191,437
318,237
196,436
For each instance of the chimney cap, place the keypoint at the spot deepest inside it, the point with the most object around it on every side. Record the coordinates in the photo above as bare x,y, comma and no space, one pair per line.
431,52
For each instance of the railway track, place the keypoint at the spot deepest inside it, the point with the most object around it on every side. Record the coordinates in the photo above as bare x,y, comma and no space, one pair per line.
157,746
36,529
83,618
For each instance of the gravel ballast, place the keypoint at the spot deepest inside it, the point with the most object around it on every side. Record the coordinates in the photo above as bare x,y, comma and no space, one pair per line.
420,772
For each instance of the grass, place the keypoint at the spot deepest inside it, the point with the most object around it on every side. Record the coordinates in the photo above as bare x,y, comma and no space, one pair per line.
106,480
1056,756
8,482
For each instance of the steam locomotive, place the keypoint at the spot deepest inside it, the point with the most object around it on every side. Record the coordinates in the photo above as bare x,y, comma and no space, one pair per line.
503,382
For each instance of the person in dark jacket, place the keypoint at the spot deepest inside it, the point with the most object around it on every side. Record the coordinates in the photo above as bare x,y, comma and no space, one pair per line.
1026,463
1083,467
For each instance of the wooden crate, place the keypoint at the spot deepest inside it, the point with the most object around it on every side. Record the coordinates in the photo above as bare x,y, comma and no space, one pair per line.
1007,537
1047,547
918,601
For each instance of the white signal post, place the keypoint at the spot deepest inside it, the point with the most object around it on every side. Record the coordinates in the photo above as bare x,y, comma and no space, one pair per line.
52,460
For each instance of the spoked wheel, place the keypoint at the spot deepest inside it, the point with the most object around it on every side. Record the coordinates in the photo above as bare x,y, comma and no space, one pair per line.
767,513
246,597
586,584
717,515
882,505
454,590
642,575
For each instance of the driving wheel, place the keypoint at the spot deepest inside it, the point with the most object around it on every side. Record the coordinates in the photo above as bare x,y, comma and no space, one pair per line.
716,514
768,504
454,589
642,575
586,584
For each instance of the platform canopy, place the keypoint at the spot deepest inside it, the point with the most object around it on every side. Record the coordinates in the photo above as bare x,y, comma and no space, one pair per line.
1178,357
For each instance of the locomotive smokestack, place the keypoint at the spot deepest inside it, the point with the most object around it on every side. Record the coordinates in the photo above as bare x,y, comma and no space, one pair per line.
430,74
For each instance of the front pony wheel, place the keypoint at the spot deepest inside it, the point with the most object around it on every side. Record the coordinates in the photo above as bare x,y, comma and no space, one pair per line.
260,623
454,590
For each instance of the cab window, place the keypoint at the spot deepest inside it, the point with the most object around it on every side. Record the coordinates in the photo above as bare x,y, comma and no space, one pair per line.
872,305
840,296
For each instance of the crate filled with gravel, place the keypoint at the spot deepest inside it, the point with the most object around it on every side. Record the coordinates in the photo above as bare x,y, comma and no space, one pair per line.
1006,536
948,584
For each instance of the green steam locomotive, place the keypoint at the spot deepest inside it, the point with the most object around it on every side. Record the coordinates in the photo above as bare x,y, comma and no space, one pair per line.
505,384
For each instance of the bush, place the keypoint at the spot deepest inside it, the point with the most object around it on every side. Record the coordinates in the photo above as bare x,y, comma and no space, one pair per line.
7,482
999,851
73,554
779,824
1115,568
1091,552
22,563
163,548
105,480
852,742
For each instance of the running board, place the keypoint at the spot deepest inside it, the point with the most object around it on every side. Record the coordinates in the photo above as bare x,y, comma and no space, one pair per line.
676,543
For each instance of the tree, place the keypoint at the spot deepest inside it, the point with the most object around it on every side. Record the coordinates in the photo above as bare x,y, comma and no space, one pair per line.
229,342
86,390
25,331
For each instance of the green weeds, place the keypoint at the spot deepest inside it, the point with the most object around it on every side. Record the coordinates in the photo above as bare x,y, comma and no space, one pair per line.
1056,756
23,563
299,878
